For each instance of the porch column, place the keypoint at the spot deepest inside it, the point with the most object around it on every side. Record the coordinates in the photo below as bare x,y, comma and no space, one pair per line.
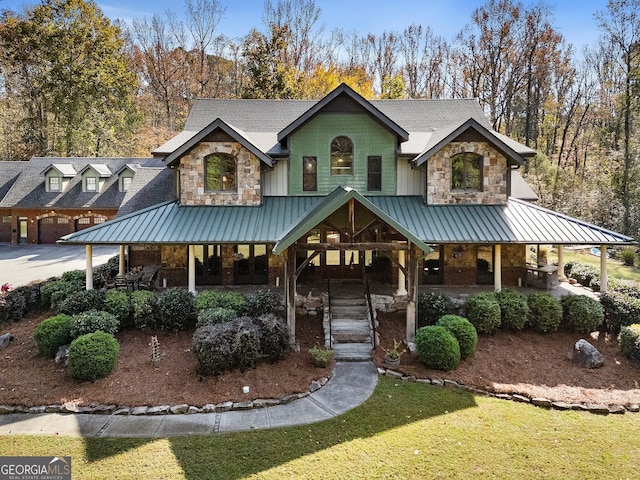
121,261
410,334
497,268
89,268
604,278
561,262
290,293
402,290
191,269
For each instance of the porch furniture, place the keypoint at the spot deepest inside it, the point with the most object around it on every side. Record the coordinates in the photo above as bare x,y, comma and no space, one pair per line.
133,280
542,277
120,282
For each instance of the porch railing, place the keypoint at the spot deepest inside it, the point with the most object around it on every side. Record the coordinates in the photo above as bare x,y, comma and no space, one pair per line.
372,314
329,312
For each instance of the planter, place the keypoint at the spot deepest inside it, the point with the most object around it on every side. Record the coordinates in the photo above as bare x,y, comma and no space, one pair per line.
391,361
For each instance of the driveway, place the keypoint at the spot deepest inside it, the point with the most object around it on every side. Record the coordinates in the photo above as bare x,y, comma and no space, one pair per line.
21,264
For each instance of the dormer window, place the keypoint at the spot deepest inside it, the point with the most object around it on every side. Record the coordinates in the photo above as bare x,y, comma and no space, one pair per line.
466,171
342,156
54,184
220,173
125,183
91,184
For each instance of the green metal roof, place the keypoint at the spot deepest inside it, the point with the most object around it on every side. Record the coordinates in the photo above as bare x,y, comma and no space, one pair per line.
282,220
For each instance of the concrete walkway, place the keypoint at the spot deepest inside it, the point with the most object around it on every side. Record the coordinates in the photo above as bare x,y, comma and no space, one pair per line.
351,384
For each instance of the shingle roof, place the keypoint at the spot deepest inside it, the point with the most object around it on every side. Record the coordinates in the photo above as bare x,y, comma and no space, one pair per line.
150,186
100,168
9,173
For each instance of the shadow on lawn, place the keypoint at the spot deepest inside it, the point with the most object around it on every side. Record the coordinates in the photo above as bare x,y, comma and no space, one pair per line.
393,404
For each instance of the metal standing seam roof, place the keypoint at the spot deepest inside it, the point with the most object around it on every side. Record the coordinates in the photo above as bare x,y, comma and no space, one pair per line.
285,218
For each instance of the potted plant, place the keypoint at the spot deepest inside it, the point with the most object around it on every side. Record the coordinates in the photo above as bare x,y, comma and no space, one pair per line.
320,356
392,355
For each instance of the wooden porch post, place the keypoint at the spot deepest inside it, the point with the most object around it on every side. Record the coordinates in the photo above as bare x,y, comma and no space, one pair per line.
402,289
604,278
89,268
497,268
412,295
290,289
121,261
561,262
191,269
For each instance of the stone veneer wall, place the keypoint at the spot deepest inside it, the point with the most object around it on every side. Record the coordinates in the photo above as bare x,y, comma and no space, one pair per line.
460,264
494,176
192,181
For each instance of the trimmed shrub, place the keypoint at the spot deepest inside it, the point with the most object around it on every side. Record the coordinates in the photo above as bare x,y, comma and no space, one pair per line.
628,256
619,310
52,333
74,276
211,316
483,311
93,356
629,341
568,266
82,301
263,302
118,303
13,306
213,347
31,294
144,308
584,274
464,332
582,314
274,336
175,309
618,285
246,344
437,348
54,292
432,306
212,299
545,312
514,311
92,321
207,299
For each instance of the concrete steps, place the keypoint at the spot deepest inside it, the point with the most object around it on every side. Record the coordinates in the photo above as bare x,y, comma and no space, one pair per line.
350,325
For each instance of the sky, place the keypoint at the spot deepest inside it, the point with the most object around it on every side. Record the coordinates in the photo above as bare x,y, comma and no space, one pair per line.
573,18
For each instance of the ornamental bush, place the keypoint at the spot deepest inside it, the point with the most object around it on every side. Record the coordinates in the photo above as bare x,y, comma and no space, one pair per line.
619,310
545,312
628,256
463,331
263,302
483,311
582,314
514,310
118,303
92,321
82,301
584,274
144,309
437,348
93,356
629,341
432,306
175,309
212,346
54,292
211,316
274,336
13,306
215,299
246,344
52,333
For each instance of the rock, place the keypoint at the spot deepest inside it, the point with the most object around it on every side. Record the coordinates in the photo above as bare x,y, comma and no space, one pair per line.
122,411
142,410
159,410
53,409
617,409
437,381
62,357
224,406
633,408
541,402
586,355
394,374
246,405
177,409
520,398
265,402
561,405
5,339
7,409
598,409
193,409
315,385
209,408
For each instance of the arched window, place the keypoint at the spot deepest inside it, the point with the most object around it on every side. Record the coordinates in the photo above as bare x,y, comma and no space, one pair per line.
220,172
341,156
466,171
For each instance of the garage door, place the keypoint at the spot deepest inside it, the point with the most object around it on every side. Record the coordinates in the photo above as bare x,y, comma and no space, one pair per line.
50,229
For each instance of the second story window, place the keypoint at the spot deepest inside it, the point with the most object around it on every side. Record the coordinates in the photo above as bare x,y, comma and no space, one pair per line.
374,173
91,184
466,171
220,173
342,156
309,174
126,183
54,184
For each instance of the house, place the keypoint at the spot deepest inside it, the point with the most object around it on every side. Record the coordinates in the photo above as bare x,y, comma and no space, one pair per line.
274,192
48,197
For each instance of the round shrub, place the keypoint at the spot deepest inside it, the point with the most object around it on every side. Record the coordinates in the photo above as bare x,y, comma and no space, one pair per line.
437,348
264,301
483,311
207,299
629,341
211,316
619,310
432,306
584,274
274,336
54,292
52,333
82,301
92,321
93,356
212,346
582,314
144,309
463,330
514,310
545,312
118,303
246,344
175,309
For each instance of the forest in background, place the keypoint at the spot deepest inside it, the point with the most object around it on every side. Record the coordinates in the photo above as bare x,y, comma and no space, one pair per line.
74,83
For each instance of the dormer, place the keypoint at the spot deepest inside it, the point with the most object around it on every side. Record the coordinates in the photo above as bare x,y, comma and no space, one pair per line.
57,177
125,176
94,176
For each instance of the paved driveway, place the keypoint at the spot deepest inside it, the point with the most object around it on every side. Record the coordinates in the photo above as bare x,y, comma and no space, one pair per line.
21,264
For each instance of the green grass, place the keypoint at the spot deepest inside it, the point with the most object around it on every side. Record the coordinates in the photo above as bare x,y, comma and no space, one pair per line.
615,268
403,431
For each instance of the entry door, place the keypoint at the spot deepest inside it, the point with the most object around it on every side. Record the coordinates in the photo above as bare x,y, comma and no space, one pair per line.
208,264
250,265
22,224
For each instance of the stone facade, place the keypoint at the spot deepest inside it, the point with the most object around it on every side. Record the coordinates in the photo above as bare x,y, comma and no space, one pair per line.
460,264
494,176
192,176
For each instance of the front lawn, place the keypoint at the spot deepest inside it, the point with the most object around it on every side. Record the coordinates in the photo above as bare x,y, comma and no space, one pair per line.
403,431
615,268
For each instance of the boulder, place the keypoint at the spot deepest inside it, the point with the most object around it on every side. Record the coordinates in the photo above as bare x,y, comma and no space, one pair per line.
586,355
5,339
63,355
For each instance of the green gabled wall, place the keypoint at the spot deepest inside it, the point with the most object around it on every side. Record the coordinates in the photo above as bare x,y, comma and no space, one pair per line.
368,137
